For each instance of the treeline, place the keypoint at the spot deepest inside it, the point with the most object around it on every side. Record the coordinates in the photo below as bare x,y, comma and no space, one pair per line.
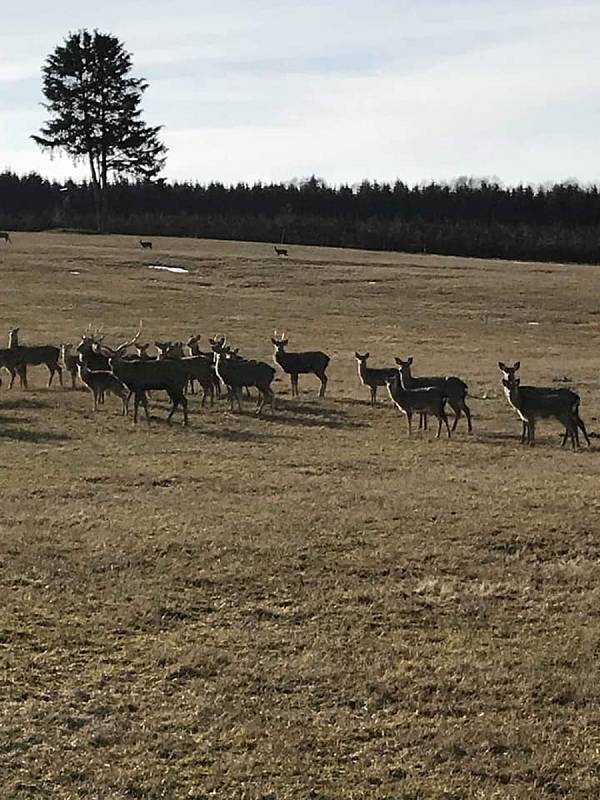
468,217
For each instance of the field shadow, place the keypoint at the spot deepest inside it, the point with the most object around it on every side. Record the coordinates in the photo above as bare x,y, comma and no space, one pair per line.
17,405
310,416
33,437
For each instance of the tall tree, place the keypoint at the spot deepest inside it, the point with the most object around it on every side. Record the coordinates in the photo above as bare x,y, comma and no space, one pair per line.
95,114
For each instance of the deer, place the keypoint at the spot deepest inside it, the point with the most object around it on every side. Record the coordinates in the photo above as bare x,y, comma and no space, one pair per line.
280,251
538,402
140,377
237,373
70,363
454,389
295,364
145,244
423,400
9,361
101,382
34,356
197,368
373,377
5,236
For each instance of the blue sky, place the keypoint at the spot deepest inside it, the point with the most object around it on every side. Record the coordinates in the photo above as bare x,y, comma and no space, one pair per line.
348,90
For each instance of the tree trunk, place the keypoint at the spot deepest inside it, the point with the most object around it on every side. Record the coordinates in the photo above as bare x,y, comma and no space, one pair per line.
98,190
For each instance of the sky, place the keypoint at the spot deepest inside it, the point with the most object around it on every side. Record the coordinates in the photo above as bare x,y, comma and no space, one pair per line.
344,90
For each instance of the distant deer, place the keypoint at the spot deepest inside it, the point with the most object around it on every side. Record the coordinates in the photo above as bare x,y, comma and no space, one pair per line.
536,402
454,388
145,244
428,400
280,251
237,373
34,356
295,364
101,382
5,235
373,377
70,363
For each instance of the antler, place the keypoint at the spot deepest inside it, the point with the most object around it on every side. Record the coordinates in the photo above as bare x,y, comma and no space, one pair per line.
127,344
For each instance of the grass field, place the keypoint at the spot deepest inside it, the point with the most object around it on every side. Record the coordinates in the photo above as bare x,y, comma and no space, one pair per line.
307,605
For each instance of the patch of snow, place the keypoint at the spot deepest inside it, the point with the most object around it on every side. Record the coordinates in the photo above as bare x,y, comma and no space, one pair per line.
74,272
533,323
168,269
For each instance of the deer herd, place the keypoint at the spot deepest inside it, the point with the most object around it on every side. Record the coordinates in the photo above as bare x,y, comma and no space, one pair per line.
178,367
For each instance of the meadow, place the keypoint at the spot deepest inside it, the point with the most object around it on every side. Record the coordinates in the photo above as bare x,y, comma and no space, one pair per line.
308,604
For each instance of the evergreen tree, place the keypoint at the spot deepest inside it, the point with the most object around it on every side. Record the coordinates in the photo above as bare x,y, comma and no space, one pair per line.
95,114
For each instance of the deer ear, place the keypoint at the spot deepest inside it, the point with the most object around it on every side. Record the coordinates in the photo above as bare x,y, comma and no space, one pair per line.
409,361
517,365
502,366
273,340
398,361
356,355
366,355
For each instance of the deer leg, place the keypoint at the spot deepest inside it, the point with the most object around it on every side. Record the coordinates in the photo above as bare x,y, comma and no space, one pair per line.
531,426
467,411
581,426
524,432
60,375
445,418
184,407
12,377
457,414
409,422
323,378
95,393
373,395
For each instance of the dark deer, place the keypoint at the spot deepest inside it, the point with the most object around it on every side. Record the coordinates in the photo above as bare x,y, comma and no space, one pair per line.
9,361
429,400
101,382
453,388
28,356
197,368
538,402
145,244
280,251
237,373
295,364
143,376
372,376
5,235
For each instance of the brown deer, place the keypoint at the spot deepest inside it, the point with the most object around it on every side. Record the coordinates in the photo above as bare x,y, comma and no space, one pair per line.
295,364
145,244
280,251
70,363
33,356
238,373
101,382
453,388
140,377
427,400
5,235
197,368
372,376
538,402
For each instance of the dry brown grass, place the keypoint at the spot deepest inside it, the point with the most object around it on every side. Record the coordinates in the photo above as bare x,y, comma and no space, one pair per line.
308,605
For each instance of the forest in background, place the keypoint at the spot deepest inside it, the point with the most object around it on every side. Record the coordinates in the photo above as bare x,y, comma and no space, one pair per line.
466,218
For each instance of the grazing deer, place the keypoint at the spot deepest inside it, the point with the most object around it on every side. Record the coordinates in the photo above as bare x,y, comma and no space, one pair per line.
34,356
295,364
373,377
145,244
280,251
101,382
538,402
454,389
10,362
5,235
142,376
426,400
70,363
237,373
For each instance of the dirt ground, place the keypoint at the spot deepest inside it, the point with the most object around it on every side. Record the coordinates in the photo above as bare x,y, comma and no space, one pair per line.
311,604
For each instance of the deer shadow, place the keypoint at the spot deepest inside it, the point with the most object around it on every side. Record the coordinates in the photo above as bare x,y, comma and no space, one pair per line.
34,437
27,403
